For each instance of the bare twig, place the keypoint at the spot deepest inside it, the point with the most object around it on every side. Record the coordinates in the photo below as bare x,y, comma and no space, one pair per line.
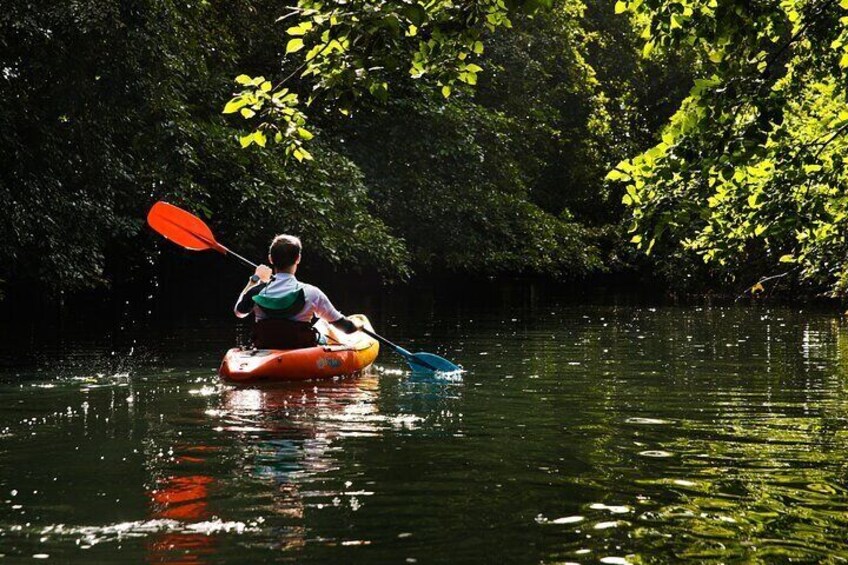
835,135
763,280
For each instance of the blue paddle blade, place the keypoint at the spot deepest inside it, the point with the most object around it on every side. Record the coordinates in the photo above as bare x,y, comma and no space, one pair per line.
428,362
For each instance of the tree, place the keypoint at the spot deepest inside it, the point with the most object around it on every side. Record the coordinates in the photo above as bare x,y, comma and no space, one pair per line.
111,106
513,131
749,174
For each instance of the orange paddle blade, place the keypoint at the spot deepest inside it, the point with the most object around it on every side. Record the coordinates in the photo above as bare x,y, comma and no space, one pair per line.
181,227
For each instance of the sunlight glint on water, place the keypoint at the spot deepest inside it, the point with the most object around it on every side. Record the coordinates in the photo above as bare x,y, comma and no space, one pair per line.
579,434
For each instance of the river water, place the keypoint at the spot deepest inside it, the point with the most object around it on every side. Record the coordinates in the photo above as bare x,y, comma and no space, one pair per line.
579,434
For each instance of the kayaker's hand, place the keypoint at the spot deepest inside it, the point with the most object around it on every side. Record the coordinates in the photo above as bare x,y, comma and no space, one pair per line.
264,273
348,325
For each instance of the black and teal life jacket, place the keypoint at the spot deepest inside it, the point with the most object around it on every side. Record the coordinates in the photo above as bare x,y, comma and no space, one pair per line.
281,307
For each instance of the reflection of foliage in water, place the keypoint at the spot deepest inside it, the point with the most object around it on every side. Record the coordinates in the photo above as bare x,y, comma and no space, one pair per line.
720,457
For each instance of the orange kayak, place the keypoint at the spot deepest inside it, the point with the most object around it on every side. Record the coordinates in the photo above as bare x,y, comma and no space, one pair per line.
344,354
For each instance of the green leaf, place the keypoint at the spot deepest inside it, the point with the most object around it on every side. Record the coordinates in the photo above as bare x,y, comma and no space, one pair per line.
305,134
616,175
243,79
266,86
246,140
312,53
620,7
235,105
294,45
676,21
478,47
468,78
788,258
247,113
446,91
259,138
379,90
472,68
301,29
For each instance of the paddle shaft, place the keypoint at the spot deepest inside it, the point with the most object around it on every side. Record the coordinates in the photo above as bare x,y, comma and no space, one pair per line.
398,348
226,250
381,339
239,257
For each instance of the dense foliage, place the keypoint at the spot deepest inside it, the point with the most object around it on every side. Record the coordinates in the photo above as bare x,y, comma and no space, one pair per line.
509,170
750,172
459,136
111,106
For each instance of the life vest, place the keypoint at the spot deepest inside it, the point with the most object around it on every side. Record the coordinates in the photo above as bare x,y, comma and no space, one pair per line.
278,330
281,307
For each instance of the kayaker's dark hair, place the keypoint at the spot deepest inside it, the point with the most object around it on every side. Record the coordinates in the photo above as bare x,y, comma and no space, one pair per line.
284,251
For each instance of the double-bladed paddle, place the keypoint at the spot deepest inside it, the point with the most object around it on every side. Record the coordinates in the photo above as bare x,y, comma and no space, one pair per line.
188,231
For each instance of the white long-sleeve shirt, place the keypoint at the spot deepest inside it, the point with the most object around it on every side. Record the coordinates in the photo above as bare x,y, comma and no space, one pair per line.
317,303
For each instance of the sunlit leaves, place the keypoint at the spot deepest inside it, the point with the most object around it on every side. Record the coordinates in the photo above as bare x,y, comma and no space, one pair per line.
751,164
280,117
344,51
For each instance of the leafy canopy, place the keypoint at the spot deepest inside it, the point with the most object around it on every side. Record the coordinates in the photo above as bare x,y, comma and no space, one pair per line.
750,171
342,51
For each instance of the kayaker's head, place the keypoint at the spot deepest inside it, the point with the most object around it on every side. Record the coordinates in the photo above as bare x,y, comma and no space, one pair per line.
284,253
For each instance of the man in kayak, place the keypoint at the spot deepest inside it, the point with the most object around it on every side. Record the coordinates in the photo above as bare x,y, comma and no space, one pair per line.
285,308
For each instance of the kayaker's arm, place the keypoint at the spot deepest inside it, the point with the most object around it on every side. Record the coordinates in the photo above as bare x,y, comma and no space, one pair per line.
324,309
244,304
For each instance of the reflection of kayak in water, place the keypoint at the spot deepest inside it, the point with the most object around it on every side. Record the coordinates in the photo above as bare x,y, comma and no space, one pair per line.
344,354
185,500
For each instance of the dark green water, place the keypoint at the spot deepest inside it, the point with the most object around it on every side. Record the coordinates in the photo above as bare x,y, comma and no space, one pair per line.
579,434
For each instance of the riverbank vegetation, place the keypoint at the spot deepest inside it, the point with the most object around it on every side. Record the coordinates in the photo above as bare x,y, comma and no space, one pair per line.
561,138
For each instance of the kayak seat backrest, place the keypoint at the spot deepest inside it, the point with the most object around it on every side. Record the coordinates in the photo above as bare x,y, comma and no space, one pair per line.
278,333
278,330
